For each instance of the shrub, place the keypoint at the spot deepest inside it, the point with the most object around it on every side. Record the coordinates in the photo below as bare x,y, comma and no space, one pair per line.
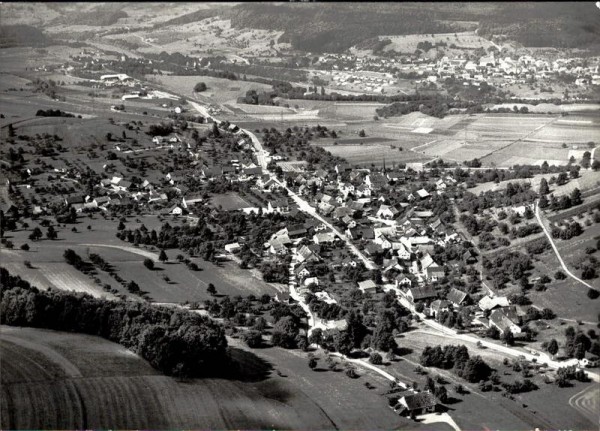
375,359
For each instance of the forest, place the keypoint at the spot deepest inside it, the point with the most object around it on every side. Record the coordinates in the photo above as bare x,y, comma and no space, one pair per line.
175,342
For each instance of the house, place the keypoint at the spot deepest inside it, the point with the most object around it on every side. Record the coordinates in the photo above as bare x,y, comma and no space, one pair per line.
301,271
435,272
232,248
469,257
297,231
422,193
376,181
76,199
367,286
305,254
324,238
344,167
416,404
504,320
421,293
490,303
383,242
279,205
401,250
456,297
403,281
437,306
175,210
311,281
386,212
589,361
284,297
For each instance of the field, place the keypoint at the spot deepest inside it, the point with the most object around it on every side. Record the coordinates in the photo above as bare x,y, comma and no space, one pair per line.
56,380
49,268
547,407
365,155
220,90
230,202
408,43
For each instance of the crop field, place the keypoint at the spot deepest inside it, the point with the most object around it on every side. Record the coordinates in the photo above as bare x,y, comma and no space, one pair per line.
349,111
543,108
57,380
365,155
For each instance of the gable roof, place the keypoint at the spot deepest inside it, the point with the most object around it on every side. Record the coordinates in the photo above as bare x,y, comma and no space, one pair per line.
456,296
419,401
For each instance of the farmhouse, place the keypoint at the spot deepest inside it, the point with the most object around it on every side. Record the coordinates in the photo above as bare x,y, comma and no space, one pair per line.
416,404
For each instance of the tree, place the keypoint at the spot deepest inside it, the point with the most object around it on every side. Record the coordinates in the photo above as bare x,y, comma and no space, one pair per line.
149,263
316,336
312,363
553,347
252,338
163,256
285,332
362,133
543,203
200,87
576,197
36,234
375,358
51,233
211,289
508,338
544,189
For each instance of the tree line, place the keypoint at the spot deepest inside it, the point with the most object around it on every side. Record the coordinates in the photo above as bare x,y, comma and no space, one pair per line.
175,342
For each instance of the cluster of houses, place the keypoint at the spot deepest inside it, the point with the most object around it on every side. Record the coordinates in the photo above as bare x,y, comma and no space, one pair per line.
372,75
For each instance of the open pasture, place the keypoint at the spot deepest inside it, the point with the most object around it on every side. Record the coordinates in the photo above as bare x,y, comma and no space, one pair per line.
56,380
219,90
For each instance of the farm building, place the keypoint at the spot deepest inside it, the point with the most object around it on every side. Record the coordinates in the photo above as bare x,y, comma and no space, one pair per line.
417,404
367,286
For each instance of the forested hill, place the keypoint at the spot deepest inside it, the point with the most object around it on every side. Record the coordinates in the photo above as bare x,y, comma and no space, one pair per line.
552,24
22,35
334,27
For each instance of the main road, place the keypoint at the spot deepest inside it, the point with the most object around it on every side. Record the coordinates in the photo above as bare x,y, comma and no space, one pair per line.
303,205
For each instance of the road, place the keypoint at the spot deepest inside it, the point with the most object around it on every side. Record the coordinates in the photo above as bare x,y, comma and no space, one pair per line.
304,206
539,357
562,262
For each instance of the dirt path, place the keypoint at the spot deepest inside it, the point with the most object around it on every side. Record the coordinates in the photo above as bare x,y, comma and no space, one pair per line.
562,262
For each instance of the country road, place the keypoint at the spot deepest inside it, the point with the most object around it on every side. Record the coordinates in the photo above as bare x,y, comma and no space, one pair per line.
562,262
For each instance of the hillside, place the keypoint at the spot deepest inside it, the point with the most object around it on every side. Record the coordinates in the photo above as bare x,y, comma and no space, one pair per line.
22,35
331,28
58,380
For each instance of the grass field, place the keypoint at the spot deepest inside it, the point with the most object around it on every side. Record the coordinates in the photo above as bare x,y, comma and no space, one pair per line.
56,380
365,155
219,90
229,202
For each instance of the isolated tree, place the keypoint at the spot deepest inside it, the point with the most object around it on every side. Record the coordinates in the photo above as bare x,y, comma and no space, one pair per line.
312,363
362,133
149,263
200,87
211,289
163,256
51,233
508,337
553,347
36,234
375,358
25,247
